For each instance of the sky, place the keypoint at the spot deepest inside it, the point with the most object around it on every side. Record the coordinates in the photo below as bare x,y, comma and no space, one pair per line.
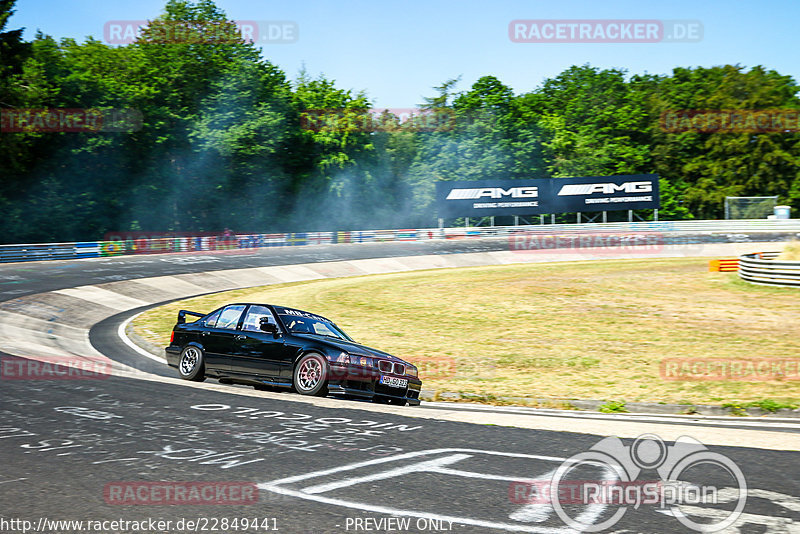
398,51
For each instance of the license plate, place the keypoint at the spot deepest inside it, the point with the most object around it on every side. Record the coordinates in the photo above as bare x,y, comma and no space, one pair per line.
394,382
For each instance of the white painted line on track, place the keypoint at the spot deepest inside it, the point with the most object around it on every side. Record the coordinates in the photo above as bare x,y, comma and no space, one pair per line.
430,465
134,346
710,420
436,465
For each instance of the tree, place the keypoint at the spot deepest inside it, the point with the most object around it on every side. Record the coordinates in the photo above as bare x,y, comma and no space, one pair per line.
227,141
711,166
489,134
593,123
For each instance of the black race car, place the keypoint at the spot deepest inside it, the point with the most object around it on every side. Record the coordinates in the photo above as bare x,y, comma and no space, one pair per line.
273,346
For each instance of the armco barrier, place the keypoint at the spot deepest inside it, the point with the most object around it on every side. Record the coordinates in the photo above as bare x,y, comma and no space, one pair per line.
763,268
47,251
672,233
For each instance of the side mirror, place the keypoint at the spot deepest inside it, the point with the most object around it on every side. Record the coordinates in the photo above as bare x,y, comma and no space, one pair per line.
267,326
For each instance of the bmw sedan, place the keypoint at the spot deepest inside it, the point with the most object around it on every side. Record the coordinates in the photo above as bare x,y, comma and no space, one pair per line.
273,346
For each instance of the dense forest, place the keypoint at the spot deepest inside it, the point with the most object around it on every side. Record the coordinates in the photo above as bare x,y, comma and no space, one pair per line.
226,139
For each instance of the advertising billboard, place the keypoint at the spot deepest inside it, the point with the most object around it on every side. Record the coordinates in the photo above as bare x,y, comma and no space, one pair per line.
487,198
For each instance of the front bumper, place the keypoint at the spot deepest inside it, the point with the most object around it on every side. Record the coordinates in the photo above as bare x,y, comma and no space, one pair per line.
364,383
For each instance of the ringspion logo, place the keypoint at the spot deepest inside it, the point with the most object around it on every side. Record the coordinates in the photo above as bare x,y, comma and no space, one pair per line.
622,480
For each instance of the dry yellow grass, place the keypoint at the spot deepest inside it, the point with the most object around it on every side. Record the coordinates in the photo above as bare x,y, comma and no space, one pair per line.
791,251
591,330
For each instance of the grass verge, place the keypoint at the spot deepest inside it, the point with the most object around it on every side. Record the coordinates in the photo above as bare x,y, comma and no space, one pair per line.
578,330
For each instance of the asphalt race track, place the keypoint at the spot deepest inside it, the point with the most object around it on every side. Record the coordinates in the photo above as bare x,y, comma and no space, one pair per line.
111,448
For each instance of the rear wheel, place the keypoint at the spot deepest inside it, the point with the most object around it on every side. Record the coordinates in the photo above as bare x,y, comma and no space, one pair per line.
191,365
311,375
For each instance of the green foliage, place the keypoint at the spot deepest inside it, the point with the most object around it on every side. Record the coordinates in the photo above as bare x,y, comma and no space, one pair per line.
225,138
594,123
736,409
613,407
767,405
707,167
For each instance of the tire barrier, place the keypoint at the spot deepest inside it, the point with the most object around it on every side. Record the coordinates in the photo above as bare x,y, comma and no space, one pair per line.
764,268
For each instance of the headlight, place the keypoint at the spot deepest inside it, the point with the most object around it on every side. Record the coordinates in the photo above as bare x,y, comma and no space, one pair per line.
343,358
411,371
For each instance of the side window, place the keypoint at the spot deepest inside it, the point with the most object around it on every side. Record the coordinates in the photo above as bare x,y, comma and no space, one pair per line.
252,321
229,317
211,320
322,328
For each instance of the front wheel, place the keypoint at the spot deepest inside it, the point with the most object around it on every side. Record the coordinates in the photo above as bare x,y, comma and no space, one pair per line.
311,375
191,365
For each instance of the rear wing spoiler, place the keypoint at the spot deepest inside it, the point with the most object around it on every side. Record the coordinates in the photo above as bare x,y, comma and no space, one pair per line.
183,313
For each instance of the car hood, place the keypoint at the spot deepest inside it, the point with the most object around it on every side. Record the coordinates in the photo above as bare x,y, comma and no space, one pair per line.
353,348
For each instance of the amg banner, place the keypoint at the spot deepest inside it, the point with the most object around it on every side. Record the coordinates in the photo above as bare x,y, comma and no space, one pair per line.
487,198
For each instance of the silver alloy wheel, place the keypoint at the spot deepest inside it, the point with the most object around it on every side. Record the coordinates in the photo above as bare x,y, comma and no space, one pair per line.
189,360
310,374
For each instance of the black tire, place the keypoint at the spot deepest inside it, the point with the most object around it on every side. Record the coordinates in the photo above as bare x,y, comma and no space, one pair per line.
311,375
191,365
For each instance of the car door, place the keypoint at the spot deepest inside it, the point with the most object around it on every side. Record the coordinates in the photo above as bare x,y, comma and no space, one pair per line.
257,353
219,336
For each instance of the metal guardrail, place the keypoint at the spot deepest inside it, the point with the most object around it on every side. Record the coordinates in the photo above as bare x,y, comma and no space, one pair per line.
741,225
763,268
46,251
667,231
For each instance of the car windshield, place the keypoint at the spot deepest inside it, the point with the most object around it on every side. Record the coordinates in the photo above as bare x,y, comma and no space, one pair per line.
300,322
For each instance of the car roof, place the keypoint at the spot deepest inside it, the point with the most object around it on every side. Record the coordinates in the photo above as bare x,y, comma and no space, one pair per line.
277,307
